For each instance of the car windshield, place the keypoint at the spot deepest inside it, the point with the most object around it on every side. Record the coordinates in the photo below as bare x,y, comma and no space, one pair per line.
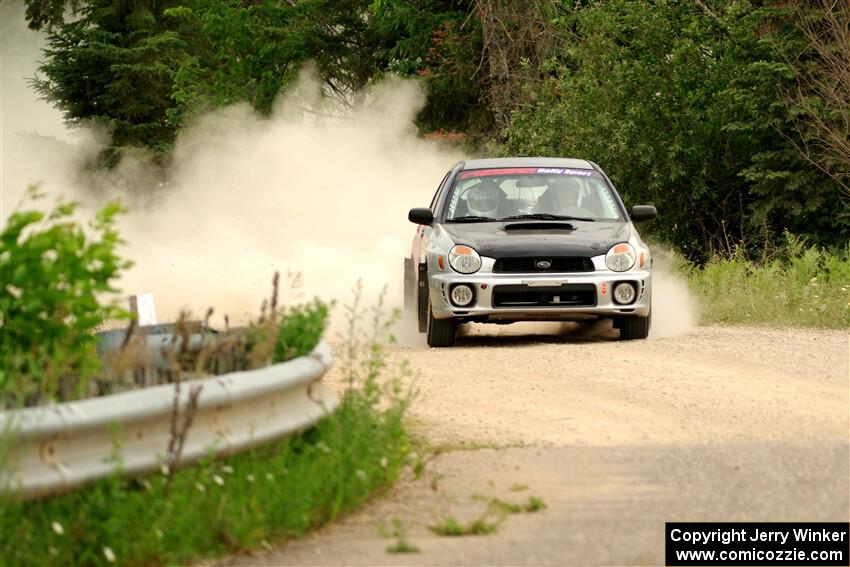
534,193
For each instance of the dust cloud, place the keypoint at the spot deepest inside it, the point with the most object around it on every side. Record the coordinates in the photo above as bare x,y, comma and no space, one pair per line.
674,309
34,143
295,193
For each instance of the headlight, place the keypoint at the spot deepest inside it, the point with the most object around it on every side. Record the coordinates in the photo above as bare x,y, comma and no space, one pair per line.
620,257
461,295
624,293
464,259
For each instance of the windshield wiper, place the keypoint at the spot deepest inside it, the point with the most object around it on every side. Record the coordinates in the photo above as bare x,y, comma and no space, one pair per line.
546,216
472,218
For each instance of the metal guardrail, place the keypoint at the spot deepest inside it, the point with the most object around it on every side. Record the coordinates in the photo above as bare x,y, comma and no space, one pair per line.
56,448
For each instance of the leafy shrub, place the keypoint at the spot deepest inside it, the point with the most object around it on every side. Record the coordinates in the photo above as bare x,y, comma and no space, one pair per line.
54,271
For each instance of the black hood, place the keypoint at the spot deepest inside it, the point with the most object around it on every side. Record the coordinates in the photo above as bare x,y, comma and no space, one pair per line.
523,239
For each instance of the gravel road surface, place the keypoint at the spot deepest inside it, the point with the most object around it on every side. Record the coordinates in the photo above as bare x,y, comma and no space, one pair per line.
723,424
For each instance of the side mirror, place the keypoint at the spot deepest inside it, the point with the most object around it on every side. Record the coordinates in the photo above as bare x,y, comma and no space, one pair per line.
642,213
421,215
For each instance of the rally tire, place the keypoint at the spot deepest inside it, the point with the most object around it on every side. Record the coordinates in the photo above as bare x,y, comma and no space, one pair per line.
632,328
441,332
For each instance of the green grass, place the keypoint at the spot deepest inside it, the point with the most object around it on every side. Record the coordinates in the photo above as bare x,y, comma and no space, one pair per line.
440,448
490,520
401,545
451,527
505,507
223,506
534,504
499,506
798,287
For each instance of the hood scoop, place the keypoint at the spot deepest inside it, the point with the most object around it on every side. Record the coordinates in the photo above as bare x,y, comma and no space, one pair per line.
539,225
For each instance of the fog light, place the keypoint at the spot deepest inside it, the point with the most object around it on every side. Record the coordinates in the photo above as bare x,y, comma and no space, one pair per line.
461,295
624,293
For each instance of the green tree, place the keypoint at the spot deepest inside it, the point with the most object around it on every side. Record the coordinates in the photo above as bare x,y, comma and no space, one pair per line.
440,42
48,13
236,52
820,97
140,68
682,107
115,66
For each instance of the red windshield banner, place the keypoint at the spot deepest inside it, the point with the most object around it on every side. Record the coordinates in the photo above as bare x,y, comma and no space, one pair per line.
491,172
526,171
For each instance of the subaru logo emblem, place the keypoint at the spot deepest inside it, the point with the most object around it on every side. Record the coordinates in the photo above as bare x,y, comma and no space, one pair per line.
543,264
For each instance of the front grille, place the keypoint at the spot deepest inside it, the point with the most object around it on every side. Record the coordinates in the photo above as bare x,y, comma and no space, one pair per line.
567,295
528,265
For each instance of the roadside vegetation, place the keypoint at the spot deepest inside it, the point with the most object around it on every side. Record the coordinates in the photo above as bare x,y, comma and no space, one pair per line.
226,505
796,286
220,505
730,116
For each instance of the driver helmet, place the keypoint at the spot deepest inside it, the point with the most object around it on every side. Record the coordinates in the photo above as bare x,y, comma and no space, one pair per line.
484,199
565,191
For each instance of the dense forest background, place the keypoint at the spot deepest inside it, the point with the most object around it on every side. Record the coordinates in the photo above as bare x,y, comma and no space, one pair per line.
733,117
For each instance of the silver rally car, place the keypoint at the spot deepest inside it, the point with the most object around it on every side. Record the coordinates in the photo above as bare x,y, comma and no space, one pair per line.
528,239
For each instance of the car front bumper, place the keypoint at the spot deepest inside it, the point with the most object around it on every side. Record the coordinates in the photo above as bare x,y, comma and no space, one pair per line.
596,288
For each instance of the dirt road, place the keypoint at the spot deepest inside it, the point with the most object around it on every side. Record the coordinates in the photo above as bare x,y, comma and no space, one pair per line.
724,424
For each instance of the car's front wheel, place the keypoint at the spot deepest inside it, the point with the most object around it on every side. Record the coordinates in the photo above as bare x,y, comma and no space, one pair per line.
632,328
440,332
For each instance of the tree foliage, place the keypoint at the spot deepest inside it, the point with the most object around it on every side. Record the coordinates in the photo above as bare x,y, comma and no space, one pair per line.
141,68
517,38
235,52
820,96
115,66
440,42
683,108
48,13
